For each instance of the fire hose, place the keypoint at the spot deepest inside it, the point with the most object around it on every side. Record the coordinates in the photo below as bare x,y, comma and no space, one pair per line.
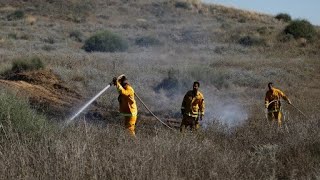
102,91
266,111
148,108
300,112
152,112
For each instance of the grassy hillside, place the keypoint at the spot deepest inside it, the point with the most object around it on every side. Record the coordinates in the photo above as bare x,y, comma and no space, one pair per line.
233,53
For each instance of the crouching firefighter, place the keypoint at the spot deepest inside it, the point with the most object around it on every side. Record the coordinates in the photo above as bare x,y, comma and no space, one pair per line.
192,108
273,104
127,104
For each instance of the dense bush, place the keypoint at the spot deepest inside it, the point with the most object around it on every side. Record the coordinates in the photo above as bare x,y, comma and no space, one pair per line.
16,114
283,17
301,29
146,41
16,15
105,41
20,65
183,5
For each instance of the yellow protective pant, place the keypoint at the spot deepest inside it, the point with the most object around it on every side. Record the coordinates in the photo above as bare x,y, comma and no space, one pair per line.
190,121
130,123
275,116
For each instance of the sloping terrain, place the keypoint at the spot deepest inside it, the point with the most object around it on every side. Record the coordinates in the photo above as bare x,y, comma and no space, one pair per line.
232,52
45,90
171,44
50,95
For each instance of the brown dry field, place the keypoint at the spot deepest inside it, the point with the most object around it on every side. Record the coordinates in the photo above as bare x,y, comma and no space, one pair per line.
197,42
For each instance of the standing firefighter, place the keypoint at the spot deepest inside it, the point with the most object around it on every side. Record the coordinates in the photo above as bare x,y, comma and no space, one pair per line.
128,106
273,104
192,108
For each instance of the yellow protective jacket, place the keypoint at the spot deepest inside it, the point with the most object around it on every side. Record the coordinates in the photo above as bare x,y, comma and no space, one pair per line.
128,106
274,95
193,105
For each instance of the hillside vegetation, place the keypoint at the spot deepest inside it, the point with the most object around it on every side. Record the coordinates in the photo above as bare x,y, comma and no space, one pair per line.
57,54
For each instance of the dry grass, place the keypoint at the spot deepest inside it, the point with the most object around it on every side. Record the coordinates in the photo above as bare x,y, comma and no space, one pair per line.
241,15
250,151
195,47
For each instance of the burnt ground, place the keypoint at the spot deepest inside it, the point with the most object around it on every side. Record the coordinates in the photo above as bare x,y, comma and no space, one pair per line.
48,94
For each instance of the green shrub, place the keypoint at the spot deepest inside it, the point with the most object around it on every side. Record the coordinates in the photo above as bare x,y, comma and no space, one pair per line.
283,17
183,5
146,41
16,114
21,65
301,29
16,15
105,41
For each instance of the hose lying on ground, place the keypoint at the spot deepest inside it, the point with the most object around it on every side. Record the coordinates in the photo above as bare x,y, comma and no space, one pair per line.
152,112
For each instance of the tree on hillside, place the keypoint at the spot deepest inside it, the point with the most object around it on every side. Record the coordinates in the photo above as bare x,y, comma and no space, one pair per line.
105,41
301,29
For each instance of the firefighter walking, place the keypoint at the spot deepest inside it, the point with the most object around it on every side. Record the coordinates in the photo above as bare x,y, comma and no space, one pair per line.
127,104
192,108
273,104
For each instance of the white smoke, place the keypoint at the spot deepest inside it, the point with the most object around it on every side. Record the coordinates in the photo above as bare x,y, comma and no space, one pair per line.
221,107
228,114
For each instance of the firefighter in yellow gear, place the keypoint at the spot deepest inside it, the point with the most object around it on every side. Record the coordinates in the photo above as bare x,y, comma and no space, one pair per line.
192,108
127,104
273,104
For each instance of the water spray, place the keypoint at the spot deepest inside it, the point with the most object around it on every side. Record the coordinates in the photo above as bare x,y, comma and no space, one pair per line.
88,103
99,94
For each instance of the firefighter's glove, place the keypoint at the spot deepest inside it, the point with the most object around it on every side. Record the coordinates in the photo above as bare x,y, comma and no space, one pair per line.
114,81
